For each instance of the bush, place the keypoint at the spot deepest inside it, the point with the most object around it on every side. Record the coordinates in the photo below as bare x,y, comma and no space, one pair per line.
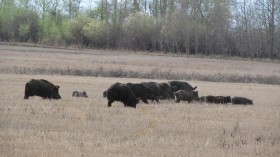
23,32
75,28
139,30
51,34
95,31
26,25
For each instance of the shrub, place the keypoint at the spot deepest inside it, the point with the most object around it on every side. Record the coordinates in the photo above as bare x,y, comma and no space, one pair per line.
139,30
23,31
95,32
75,28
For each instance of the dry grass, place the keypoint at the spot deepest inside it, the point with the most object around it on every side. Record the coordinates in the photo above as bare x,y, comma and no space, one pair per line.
87,127
38,61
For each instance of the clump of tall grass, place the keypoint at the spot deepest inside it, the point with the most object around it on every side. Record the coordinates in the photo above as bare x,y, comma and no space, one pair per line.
152,74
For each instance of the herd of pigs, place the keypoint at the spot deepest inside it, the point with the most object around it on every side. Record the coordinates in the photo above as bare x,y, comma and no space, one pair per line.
131,93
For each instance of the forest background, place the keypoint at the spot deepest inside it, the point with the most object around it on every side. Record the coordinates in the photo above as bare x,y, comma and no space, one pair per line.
243,28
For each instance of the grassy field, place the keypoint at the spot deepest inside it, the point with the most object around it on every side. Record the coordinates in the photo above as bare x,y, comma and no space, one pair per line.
27,60
87,127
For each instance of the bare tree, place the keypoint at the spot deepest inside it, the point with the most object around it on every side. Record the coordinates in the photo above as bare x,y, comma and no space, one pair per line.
72,7
267,10
43,6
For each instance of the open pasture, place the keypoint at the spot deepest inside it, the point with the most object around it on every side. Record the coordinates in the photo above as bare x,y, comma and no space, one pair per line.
26,60
87,127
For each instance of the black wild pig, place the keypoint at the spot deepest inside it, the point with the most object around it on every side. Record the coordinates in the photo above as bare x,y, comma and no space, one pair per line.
181,85
168,90
241,100
218,99
160,90
42,88
120,92
186,95
141,91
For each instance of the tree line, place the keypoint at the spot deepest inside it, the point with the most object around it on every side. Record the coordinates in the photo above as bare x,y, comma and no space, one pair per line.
244,28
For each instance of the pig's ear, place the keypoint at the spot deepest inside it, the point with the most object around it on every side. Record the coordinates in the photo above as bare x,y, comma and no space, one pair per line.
57,87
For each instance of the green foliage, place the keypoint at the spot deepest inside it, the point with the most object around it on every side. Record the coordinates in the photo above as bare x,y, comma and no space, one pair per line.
1,25
76,27
95,13
67,36
7,12
54,33
96,32
219,27
26,25
139,27
23,31
34,26
51,32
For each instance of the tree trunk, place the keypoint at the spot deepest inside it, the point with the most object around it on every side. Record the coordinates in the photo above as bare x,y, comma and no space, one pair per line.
272,29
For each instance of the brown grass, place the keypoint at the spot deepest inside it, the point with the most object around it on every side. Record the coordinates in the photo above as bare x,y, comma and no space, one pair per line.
38,61
87,127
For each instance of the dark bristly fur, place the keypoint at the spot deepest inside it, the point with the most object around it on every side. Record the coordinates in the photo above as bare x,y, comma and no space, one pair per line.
42,88
181,85
218,99
186,95
143,92
241,100
120,92
160,90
